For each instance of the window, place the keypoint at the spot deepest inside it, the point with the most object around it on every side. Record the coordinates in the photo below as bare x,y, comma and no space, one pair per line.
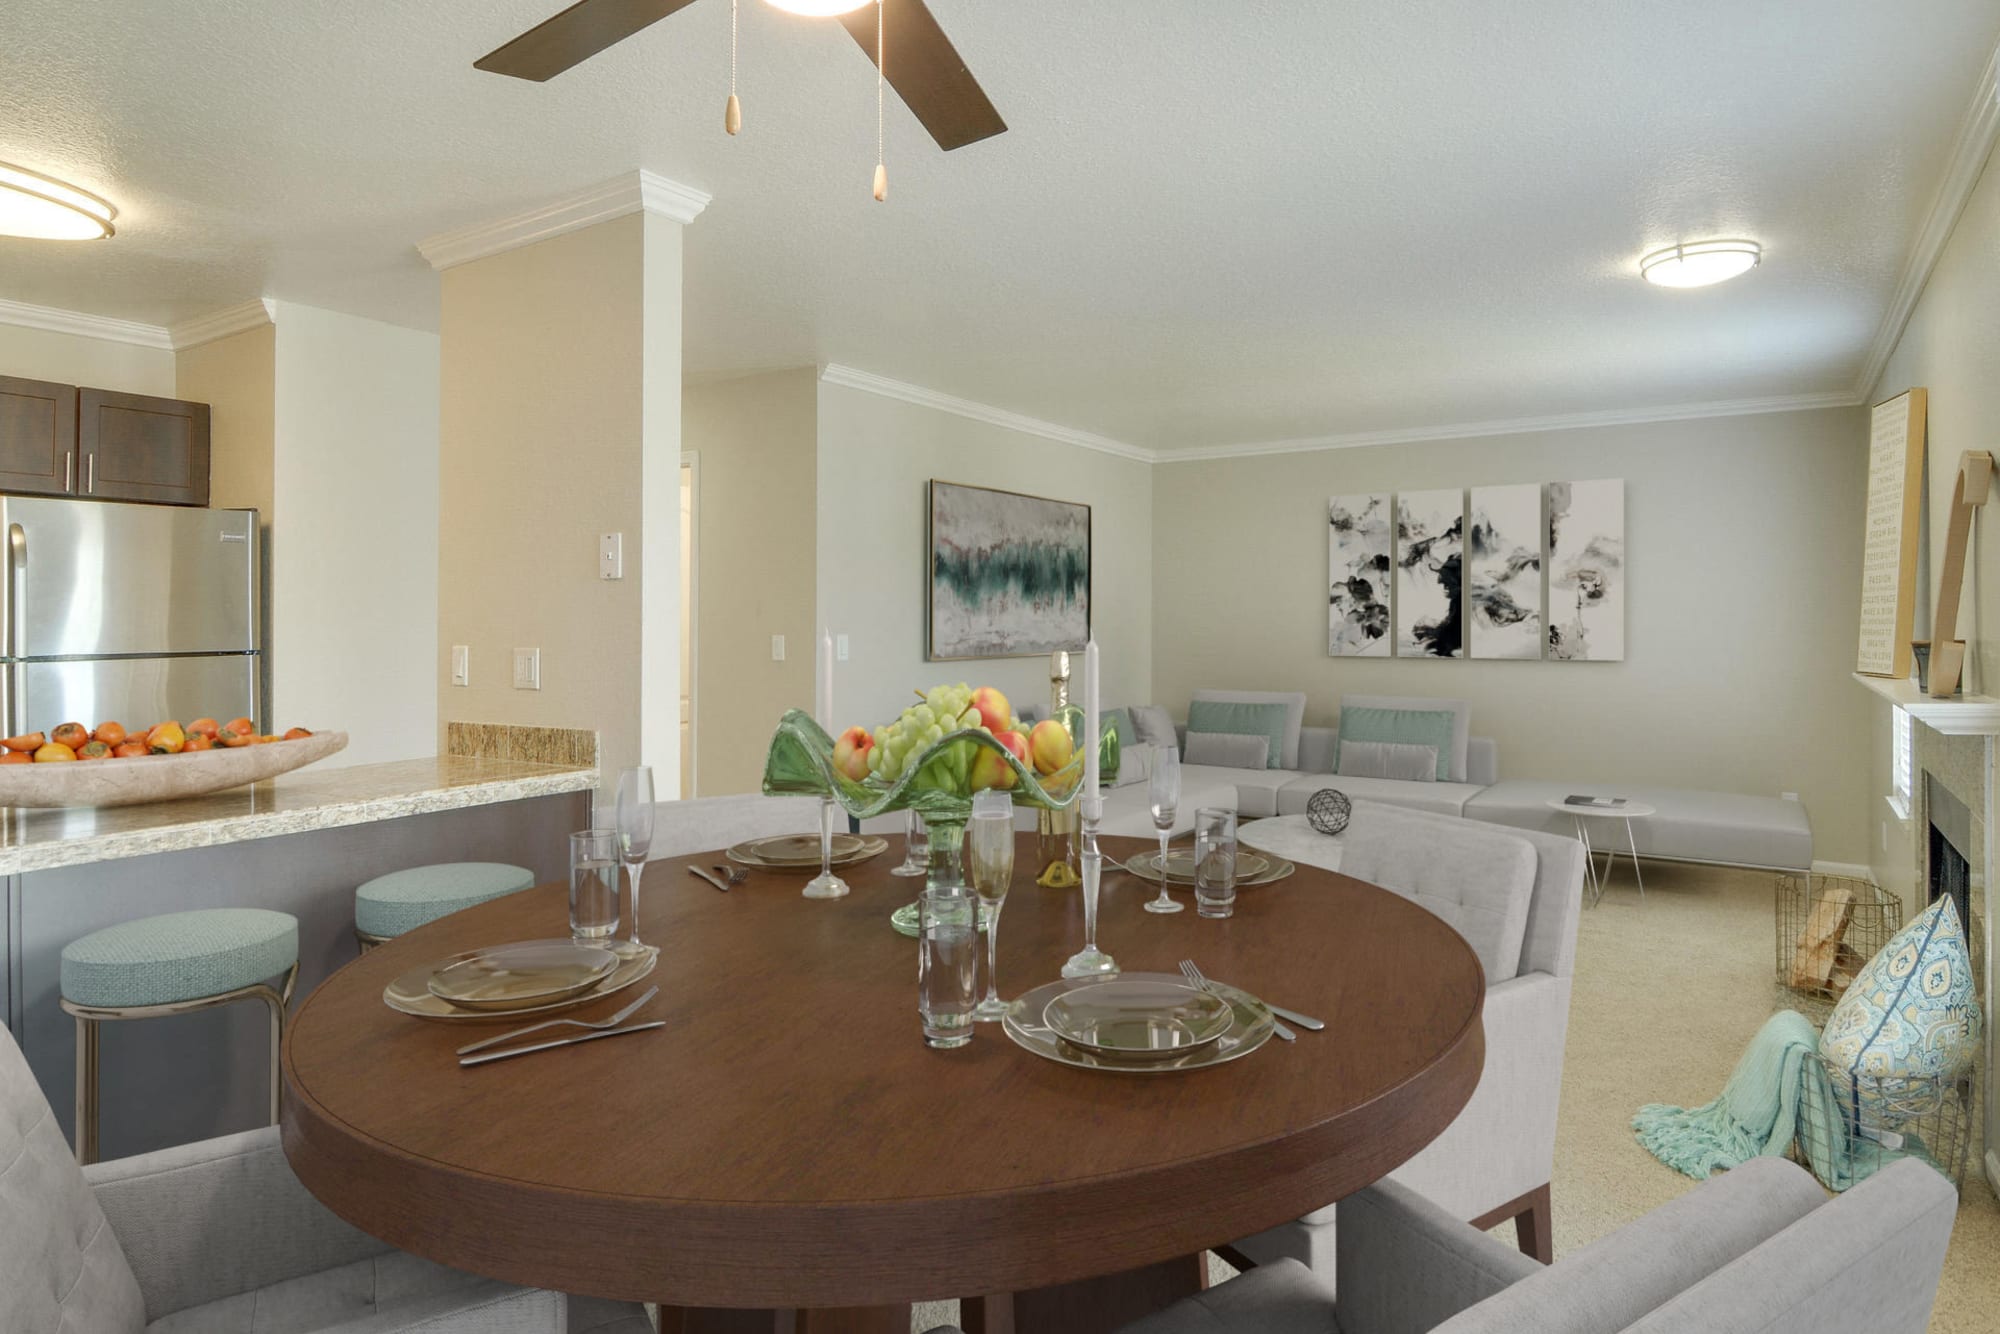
1899,761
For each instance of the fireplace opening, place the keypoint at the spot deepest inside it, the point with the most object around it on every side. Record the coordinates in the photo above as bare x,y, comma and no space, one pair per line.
1950,849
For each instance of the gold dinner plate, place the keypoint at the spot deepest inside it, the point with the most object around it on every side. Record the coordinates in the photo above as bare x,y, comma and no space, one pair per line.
1138,1019
1252,868
411,993
520,975
847,850
1250,1027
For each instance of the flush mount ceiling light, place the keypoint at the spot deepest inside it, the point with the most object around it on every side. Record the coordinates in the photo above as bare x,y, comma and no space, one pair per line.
1700,263
33,205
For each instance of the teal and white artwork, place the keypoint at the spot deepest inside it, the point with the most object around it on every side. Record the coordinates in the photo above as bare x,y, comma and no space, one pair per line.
1009,574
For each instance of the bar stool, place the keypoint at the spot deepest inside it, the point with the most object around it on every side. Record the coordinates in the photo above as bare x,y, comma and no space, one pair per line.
174,964
400,901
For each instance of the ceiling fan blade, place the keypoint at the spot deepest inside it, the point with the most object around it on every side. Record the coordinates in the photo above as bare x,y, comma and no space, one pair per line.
926,72
574,36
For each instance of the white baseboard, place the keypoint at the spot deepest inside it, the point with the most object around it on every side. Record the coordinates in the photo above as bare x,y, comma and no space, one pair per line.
1854,869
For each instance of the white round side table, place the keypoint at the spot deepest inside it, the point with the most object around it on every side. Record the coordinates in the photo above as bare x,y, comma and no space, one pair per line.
1628,812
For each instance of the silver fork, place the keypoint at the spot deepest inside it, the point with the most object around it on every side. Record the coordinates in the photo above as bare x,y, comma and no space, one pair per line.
735,875
612,1022
1200,983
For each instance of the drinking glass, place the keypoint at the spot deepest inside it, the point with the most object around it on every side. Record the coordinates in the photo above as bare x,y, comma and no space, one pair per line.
916,847
947,963
1163,791
635,829
593,886
1215,863
991,844
825,885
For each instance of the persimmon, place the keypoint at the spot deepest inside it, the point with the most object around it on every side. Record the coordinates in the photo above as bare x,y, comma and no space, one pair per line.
93,750
236,739
130,750
72,735
27,741
54,751
295,733
199,741
240,726
203,727
16,757
111,734
166,739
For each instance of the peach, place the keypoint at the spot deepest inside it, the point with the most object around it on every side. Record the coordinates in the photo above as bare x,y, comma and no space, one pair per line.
1050,745
995,714
850,752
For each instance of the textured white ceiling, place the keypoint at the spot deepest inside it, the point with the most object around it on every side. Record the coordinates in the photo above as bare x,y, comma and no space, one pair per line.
1210,222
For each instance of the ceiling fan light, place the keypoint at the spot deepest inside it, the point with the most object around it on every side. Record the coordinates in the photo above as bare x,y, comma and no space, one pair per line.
1700,263
43,209
818,9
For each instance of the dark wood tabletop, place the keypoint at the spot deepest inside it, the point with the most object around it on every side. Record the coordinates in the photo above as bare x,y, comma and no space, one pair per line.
787,1140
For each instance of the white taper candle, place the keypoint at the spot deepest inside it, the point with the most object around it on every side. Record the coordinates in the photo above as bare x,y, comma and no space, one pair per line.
1090,721
823,704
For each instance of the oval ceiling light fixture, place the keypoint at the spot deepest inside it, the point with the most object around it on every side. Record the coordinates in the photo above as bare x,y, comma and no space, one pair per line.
1700,263
43,209
818,9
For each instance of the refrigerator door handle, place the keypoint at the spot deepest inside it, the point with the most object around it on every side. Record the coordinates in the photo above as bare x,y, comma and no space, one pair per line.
10,594
69,470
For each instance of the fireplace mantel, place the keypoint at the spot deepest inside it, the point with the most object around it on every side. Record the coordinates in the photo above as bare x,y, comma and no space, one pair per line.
1961,715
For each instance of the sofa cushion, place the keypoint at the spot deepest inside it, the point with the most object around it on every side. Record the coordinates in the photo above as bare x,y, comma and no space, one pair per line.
1461,724
1477,879
1295,717
1229,750
1128,810
1730,828
1401,727
1135,765
1389,759
1153,725
1437,798
1909,1012
1257,791
1240,719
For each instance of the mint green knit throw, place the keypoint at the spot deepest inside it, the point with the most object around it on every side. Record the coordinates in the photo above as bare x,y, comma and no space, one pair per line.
1757,1115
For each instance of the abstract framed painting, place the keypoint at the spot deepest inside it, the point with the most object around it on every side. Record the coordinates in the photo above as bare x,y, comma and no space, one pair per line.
1586,555
1430,550
1009,574
1503,584
1358,576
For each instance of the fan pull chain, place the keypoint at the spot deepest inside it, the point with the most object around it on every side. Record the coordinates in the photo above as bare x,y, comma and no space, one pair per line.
732,114
881,170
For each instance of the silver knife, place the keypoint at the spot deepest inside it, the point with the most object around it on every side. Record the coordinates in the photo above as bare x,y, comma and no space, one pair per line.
1302,1020
559,1042
696,870
1281,1030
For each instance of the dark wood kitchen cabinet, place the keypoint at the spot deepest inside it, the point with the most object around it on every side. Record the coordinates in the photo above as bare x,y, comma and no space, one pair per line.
37,437
130,447
59,440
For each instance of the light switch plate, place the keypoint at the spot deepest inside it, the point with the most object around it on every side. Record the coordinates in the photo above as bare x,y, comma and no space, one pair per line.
527,669
611,556
461,665
840,647
777,648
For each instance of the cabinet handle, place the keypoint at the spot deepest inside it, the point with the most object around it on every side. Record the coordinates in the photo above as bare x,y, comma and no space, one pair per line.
90,474
69,471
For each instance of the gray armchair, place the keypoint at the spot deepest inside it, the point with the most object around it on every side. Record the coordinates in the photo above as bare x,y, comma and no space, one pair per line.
220,1238
1760,1250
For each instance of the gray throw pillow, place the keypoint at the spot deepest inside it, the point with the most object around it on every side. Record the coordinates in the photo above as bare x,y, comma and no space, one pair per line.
1135,765
1389,759
1154,725
1229,750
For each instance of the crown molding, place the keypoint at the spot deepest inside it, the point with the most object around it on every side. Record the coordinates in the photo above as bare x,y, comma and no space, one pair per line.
50,320
1566,421
223,323
1977,132
882,386
630,192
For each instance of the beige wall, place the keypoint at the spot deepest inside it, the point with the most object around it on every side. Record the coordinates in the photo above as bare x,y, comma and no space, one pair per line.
235,376
755,441
99,363
543,434
875,456
1744,540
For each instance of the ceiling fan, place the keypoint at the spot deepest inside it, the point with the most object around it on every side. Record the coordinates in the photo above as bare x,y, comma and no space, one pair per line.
926,72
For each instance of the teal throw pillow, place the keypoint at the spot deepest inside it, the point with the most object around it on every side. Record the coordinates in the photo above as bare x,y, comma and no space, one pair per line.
1265,720
1399,727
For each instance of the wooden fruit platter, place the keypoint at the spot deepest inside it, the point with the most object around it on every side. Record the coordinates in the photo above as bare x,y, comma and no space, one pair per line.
144,778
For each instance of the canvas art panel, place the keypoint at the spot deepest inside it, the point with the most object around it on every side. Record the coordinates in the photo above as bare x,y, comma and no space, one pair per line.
1430,542
1586,550
1009,574
1358,576
1503,552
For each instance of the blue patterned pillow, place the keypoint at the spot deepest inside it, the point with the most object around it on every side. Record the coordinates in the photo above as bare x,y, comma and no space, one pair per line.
1910,1013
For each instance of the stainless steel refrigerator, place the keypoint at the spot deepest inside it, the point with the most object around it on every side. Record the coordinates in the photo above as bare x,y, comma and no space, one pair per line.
132,613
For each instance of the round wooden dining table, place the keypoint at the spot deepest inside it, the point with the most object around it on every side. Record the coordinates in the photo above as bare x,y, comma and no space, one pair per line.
788,1143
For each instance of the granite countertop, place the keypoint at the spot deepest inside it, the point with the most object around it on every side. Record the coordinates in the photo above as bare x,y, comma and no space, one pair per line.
293,803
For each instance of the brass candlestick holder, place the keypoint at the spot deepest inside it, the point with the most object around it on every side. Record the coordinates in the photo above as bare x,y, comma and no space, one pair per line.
1056,844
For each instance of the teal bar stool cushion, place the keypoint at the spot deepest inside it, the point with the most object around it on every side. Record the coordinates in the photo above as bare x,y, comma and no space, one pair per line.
401,901
180,956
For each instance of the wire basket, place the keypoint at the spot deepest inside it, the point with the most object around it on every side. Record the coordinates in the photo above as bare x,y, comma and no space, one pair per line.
1828,927
1850,1126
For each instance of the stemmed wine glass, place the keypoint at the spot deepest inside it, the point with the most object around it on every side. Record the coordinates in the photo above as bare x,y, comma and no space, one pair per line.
635,829
916,847
990,838
1163,791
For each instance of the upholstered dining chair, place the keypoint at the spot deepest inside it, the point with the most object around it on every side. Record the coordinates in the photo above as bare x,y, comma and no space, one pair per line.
1759,1250
220,1238
1515,896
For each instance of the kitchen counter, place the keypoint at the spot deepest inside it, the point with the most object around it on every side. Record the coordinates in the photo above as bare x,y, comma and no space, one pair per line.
298,802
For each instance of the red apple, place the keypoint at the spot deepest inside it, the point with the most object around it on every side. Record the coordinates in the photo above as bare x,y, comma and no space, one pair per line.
850,752
994,711
1051,745
990,768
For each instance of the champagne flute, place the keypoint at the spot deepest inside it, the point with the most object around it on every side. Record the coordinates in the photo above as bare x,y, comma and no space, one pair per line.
635,829
1163,791
991,840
